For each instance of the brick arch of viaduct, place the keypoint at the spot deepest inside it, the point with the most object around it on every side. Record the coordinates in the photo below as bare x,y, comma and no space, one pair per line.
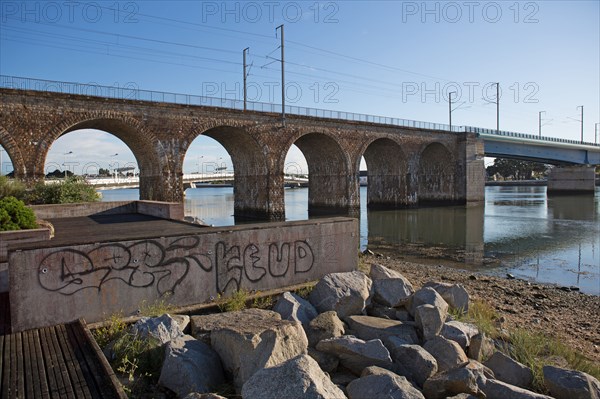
406,167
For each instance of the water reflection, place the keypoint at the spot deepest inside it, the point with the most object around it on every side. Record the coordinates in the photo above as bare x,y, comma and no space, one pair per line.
518,230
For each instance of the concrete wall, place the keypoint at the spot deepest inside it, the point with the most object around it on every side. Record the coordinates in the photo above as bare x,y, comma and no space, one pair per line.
571,179
10,238
56,285
164,210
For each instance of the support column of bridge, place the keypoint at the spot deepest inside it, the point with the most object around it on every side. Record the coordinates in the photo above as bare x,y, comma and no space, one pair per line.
572,180
474,169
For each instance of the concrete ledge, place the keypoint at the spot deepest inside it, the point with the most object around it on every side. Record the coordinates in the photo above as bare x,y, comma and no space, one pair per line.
92,281
165,210
571,180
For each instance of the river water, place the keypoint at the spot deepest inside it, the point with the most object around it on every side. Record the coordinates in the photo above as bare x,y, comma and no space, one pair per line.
518,230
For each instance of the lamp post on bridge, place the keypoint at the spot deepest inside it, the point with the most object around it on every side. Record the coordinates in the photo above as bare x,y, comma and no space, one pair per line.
65,162
540,121
581,106
596,133
114,165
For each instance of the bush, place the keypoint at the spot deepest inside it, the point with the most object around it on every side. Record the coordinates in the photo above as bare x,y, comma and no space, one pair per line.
14,215
65,192
11,188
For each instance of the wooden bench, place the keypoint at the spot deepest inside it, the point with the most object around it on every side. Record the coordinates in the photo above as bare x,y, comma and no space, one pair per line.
62,361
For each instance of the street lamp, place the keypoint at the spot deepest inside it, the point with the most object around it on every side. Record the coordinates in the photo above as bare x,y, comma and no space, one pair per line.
581,106
65,161
540,121
115,163
596,133
199,164
450,108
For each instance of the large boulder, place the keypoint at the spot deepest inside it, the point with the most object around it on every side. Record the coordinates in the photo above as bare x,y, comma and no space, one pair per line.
324,326
426,296
190,366
510,371
163,328
251,339
430,320
346,293
448,354
454,294
292,307
195,395
380,383
368,327
201,326
390,288
481,347
461,380
571,384
414,362
326,361
459,332
299,377
494,389
356,354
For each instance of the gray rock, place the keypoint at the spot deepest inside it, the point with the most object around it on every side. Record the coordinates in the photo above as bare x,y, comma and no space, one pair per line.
494,389
342,377
454,294
510,371
326,361
377,383
461,380
414,362
481,347
324,326
163,328
251,339
345,293
356,354
426,296
403,315
459,332
463,396
379,272
201,326
571,384
392,291
430,320
378,310
448,354
190,366
368,327
182,320
299,377
196,395
292,307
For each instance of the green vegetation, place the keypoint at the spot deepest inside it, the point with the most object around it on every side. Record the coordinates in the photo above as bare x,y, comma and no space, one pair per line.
11,188
14,215
533,349
67,191
157,308
237,301
513,169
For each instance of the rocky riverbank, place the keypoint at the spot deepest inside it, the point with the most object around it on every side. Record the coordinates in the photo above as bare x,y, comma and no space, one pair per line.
570,316
356,335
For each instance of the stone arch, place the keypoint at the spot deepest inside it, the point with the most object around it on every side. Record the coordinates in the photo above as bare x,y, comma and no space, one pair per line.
330,176
436,183
156,178
251,174
12,149
388,181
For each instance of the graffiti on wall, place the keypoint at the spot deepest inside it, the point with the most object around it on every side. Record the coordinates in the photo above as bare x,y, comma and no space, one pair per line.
149,263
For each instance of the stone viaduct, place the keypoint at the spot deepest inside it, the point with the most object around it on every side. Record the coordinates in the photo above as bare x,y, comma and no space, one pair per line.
406,166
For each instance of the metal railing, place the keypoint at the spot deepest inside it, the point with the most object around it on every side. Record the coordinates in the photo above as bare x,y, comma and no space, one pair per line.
130,92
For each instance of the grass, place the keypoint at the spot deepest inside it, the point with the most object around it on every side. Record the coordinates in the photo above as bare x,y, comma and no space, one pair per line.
533,349
158,308
236,301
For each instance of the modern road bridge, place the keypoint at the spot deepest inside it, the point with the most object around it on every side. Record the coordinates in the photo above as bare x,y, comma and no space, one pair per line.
410,163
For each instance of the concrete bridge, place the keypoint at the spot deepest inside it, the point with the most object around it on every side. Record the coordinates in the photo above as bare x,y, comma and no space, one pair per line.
409,163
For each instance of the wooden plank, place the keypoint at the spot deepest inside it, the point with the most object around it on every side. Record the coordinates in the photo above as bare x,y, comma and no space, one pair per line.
80,356
44,389
2,364
20,371
106,381
78,382
66,387
12,381
31,375
51,364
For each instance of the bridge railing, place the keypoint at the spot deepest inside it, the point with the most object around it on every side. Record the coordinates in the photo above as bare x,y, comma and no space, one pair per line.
131,92
480,130
134,93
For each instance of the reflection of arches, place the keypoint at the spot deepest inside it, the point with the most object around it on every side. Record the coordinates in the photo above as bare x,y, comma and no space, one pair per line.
251,185
387,174
436,174
12,150
328,173
147,150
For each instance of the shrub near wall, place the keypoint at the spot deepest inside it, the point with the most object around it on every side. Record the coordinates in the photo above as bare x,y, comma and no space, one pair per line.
14,215
69,191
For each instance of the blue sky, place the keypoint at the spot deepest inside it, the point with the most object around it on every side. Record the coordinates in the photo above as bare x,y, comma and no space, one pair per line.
391,58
